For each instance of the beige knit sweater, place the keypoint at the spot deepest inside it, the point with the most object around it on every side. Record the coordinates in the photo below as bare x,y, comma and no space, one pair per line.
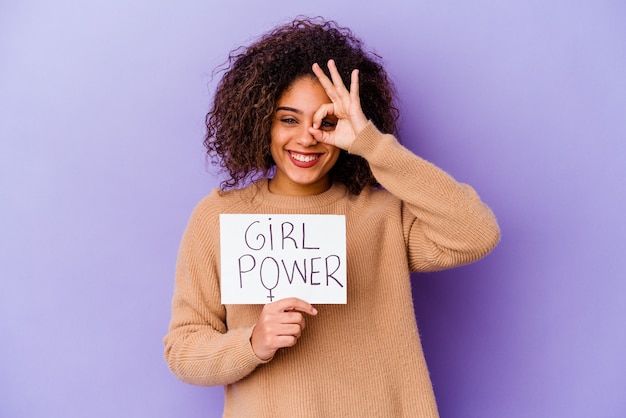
362,359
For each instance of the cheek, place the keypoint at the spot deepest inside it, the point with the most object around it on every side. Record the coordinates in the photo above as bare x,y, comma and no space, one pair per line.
272,146
336,153
276,136
273,139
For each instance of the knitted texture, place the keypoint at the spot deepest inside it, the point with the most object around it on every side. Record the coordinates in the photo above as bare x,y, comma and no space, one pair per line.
362,359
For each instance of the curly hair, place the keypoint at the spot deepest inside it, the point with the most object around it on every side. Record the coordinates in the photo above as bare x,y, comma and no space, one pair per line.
239,122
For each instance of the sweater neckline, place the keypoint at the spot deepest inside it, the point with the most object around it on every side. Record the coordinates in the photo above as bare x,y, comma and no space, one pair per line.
262,194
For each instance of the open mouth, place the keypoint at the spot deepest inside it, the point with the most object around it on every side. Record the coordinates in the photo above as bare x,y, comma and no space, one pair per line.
304,160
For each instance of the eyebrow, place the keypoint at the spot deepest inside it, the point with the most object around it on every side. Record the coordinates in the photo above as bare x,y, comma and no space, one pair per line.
289,109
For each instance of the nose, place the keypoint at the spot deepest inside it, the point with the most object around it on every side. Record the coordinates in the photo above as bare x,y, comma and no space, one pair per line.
305,138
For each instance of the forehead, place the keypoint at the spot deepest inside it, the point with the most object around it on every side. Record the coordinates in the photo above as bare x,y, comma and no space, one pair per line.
305,89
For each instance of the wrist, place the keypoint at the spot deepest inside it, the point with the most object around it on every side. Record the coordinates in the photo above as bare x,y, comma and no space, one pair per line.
263,355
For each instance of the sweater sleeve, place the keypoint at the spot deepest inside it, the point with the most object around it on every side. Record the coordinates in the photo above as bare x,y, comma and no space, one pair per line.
199,347
445,223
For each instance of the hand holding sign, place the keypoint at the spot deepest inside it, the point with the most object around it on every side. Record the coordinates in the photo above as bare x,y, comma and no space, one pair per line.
280,325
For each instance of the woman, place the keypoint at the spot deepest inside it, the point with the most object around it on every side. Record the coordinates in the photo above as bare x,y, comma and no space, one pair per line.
294,139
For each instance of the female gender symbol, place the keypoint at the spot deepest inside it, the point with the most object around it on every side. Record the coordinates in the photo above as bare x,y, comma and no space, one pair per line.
270,297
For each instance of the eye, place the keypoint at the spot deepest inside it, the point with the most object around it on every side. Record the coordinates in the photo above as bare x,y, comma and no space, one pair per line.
288,120
328,125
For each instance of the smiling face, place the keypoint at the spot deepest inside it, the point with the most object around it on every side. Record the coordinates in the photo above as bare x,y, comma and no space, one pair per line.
302,163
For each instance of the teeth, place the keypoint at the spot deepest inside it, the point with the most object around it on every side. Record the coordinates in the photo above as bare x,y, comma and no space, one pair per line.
303,158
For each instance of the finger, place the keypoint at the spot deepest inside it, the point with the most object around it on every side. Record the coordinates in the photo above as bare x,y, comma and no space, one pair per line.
322,77
319,135
290,329
336,77
354,86
334,88
295,304
323,111
286,341
292,318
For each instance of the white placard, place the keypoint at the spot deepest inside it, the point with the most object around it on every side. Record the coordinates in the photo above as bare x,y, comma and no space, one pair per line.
269,257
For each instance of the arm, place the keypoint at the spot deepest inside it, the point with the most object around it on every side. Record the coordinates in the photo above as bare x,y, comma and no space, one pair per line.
445,222
199,348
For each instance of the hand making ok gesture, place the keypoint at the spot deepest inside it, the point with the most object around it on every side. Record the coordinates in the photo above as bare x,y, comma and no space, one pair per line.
345,106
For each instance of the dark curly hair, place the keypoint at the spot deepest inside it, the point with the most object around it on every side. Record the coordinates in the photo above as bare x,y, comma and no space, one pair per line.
239,122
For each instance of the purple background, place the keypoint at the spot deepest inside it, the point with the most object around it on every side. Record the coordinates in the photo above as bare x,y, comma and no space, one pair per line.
101,122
